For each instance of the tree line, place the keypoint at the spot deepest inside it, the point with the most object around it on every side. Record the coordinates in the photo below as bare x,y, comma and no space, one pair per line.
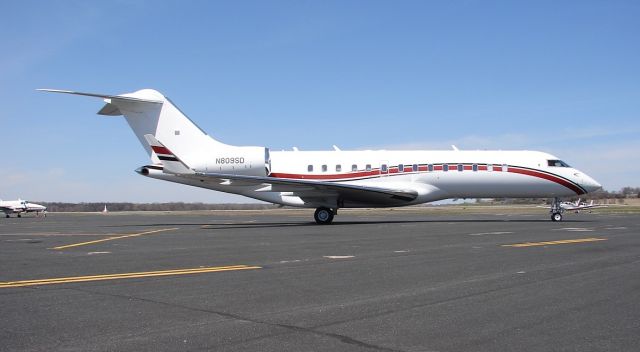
177,206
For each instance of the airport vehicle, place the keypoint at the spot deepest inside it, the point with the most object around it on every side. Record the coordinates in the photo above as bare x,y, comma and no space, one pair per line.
329,180
21,206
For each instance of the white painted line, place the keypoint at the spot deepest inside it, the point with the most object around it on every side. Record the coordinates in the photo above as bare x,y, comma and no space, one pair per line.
403,251
490,233
338,256
92,253
573,229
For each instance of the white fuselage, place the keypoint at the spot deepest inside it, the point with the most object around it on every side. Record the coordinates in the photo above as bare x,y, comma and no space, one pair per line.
435,175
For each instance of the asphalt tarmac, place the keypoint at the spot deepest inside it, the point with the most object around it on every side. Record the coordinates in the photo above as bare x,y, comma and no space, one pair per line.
273,281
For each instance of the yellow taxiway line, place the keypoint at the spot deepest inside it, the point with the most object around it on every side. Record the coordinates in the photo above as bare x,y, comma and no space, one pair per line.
533,244
63,280
112,238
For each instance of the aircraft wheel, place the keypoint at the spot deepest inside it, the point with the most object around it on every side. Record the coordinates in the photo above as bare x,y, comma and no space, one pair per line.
19,215
556,217
7,215
323,216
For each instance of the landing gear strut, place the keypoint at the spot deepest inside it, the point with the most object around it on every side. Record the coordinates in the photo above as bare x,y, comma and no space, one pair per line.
556,210
323,216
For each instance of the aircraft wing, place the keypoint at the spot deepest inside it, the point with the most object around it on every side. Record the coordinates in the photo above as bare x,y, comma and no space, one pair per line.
309,189
588,206
7,210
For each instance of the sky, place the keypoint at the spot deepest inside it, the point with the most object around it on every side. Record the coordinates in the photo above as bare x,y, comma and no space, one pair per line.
557,76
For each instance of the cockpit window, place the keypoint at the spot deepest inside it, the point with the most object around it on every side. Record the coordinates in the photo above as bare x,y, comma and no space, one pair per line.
557,163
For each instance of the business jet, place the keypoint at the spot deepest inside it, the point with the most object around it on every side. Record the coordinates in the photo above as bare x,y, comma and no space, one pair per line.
181,152
20,206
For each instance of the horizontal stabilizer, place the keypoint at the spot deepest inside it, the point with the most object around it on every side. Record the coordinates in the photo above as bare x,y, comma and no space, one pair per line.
104,96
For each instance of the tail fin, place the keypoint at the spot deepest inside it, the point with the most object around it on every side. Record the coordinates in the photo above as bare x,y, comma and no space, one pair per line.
148,112
172,164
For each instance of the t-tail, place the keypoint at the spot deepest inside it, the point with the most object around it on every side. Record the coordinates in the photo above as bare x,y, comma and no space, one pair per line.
148,112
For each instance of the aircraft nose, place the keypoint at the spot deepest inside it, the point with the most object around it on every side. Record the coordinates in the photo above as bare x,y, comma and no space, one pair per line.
590,184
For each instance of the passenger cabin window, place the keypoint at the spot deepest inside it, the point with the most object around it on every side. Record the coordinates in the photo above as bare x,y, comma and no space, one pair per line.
354,167
338,168
475,167
460,167
415,167
384,168
401,168
445,167
324,168
368,167
430,167
310,168
557,163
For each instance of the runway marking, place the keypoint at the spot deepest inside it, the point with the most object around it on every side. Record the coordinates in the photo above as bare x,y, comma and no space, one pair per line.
338,256
490,233
574,229
533,244
112,238
64,280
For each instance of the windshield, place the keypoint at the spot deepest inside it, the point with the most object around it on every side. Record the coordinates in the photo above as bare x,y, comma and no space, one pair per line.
557,163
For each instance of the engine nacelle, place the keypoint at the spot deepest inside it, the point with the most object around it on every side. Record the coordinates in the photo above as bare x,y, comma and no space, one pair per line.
253,161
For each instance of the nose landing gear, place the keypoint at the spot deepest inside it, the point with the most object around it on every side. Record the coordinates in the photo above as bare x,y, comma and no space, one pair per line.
556,210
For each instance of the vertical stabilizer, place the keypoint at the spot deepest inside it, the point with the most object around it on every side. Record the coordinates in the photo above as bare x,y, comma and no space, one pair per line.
148,112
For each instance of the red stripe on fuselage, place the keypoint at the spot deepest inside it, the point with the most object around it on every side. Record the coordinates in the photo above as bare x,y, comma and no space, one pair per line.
337,177
376,173
548,177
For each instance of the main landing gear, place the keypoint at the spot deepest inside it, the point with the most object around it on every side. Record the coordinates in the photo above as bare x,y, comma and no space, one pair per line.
324,215
556,210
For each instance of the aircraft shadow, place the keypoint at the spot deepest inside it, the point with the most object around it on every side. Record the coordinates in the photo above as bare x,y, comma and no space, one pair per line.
244,225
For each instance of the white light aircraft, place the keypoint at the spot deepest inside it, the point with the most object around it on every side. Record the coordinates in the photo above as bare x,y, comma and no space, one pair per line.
329,180
21,206
578,205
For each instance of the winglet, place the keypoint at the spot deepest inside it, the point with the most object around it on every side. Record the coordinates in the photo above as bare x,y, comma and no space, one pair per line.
172,164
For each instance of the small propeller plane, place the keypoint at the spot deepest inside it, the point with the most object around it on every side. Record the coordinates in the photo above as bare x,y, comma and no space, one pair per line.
329,180
578,205
21,206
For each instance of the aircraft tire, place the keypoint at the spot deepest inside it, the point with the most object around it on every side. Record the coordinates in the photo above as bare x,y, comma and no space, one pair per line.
556,217
19,215
323,216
